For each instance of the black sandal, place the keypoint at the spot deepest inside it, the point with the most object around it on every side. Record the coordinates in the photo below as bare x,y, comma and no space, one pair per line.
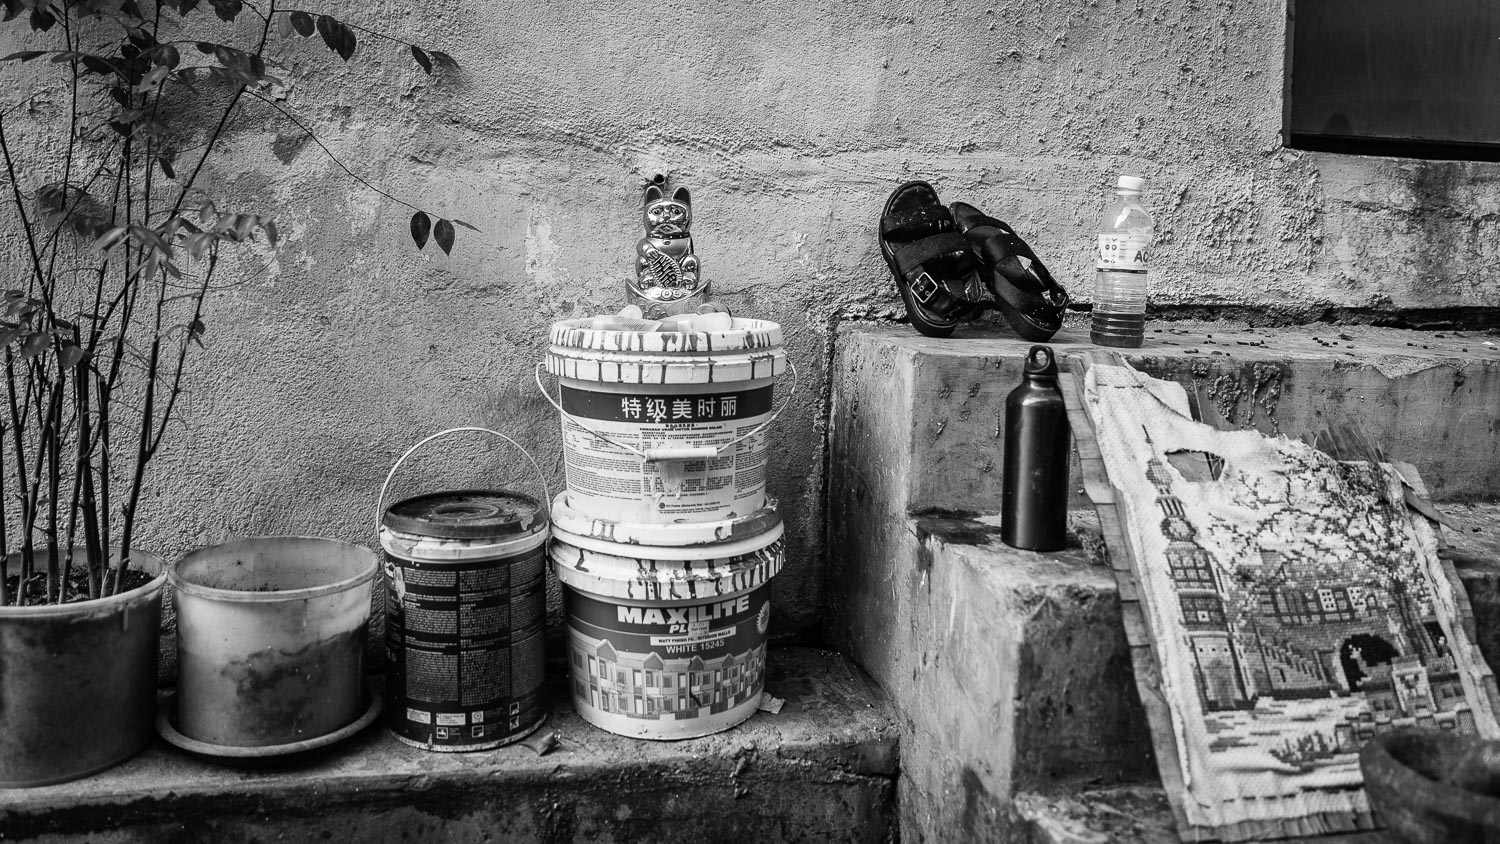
1027,295
940,282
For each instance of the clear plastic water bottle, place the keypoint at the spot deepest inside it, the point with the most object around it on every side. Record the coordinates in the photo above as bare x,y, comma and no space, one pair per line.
1120,280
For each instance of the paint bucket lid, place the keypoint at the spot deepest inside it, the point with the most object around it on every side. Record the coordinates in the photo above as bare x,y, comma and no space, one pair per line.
661,573
677,534
467,514
744,335
749,351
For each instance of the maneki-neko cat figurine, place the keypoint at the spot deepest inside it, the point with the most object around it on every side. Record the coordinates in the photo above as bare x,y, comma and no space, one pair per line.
667,273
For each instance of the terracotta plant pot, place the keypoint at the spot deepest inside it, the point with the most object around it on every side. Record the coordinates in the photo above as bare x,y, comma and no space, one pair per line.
271,638
78,682
1432,787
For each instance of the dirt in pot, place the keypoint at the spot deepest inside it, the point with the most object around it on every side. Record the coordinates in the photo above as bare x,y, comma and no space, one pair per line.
77,588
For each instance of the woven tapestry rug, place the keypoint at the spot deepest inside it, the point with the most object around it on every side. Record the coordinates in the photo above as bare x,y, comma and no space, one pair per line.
1296,607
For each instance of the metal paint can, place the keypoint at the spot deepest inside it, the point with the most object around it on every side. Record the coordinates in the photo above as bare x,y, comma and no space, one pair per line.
465,611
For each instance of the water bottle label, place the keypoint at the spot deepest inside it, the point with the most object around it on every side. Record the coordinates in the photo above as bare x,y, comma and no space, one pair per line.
1120,251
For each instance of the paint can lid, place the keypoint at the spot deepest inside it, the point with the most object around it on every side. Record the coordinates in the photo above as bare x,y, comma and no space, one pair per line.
743,335
673,534
467,514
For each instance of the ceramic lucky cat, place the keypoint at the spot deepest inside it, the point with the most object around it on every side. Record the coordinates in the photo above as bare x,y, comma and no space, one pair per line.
667,273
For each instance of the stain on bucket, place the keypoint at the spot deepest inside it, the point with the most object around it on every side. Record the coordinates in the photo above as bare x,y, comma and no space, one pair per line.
666,427
465,610
667,642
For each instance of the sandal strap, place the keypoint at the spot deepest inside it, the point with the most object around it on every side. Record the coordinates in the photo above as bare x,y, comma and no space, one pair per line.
911,256
1014,264
1045,306
957,291
915,223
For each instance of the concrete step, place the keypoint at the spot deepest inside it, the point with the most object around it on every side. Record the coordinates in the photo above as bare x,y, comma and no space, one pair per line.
1122,815
1010,670
1429,398
1025,680
823,769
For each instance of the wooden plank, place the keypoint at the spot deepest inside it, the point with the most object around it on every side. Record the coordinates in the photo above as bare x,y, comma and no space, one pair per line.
1107,503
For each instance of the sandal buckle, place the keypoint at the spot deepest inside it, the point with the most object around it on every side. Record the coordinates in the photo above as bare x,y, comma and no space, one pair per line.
923,288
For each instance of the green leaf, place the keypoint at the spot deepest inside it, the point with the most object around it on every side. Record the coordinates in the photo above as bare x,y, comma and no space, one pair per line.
303,23
69,356
227,10
443,234
338,37
284,27
109,238
168,55
421,226
149,237
98,65
166,166
42,20
150,81
207,48
34,345
443,59
195,331
12,9
24,55
422,59
466,225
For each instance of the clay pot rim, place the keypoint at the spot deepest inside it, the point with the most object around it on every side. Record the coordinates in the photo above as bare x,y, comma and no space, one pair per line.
95,605
366,573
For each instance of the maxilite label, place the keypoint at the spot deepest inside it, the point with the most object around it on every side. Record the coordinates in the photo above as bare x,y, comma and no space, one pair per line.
681,617
734,624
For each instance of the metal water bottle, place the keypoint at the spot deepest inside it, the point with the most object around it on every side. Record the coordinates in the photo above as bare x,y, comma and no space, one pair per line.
1034,506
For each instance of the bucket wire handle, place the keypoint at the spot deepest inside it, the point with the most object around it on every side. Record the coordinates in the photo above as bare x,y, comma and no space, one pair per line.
668,452
546,491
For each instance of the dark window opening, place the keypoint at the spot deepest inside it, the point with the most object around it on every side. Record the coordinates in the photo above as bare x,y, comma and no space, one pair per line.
1394,77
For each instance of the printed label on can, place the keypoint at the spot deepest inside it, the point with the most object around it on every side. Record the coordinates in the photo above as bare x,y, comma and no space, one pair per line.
667,671
617,485
464,649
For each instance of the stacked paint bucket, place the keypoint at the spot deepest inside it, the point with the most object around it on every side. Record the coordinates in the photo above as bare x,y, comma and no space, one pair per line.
465,579
665,541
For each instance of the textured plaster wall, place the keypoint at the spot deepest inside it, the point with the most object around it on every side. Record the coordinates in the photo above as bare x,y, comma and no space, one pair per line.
791,120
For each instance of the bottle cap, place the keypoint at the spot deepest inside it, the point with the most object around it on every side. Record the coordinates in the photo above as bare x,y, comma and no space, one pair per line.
1131,183
1040,363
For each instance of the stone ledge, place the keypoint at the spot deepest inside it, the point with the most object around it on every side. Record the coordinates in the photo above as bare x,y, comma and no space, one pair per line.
1055,676
1124,815
1427,397
823,768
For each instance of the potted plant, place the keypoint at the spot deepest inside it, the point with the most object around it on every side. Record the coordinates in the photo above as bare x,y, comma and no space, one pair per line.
113,240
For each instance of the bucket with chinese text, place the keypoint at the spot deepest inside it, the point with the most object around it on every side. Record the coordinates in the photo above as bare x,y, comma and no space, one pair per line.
665,426
465,611
667,642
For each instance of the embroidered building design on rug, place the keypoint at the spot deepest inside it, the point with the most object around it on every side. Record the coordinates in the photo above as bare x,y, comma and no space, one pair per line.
1297,608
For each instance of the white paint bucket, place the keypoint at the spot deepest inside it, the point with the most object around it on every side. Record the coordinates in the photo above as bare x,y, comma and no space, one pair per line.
665,427
667,642
466,608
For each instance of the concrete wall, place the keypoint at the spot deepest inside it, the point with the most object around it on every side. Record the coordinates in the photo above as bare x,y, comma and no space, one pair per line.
791,122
